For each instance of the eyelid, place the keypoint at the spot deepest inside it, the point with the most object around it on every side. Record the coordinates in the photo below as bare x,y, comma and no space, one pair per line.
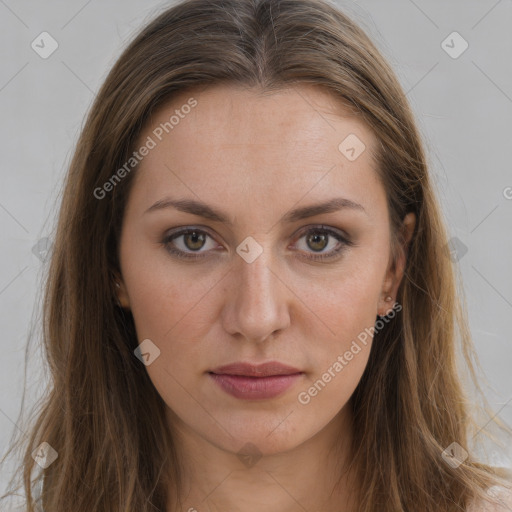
322,227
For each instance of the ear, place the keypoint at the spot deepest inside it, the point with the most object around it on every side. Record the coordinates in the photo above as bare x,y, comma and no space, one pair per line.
395,271
120,291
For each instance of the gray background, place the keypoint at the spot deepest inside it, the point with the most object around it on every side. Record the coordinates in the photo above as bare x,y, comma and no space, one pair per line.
463,107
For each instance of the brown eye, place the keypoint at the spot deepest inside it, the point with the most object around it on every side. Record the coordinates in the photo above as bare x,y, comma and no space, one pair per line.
194,240
318,238
317,242
187,243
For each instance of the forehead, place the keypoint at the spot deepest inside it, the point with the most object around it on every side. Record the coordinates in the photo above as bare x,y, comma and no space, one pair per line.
228,141
229,115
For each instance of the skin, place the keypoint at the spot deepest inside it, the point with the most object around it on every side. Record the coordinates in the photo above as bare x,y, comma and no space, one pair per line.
256,156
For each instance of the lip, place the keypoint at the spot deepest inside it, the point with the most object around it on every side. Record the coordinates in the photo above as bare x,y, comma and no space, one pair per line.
255,382
269,369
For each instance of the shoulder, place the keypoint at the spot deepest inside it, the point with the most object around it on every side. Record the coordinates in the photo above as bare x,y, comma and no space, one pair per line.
500,501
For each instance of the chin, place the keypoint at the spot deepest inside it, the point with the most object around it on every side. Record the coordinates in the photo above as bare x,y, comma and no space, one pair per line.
268,437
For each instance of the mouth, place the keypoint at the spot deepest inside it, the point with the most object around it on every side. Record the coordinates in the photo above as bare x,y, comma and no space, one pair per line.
255,382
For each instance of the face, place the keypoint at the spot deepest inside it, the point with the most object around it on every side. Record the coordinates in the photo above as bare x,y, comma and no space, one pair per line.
228,258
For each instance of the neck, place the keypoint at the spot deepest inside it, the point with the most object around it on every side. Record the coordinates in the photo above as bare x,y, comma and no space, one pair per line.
311,476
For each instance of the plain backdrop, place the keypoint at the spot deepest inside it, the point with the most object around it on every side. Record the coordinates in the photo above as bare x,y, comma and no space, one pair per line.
462,101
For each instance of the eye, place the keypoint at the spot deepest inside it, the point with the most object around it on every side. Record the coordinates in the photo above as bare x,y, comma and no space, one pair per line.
318,238
188,243
191,240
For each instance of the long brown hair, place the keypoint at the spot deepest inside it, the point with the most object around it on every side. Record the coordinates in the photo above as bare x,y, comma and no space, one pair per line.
103,416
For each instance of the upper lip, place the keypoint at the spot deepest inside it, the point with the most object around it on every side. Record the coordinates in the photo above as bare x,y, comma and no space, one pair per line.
256,370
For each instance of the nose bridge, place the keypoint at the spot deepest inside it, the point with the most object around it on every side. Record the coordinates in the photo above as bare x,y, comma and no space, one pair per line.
256,278
258,306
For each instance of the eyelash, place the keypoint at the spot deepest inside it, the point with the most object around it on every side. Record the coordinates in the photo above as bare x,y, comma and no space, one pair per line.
316,257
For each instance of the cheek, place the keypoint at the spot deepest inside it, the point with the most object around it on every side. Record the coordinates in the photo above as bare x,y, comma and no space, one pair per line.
346,304
341,356
164,297
172,306
346,300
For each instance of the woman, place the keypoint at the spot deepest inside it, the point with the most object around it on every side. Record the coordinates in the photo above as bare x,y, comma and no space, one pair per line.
250,303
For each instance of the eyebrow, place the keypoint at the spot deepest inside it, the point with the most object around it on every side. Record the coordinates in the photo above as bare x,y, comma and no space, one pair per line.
208,212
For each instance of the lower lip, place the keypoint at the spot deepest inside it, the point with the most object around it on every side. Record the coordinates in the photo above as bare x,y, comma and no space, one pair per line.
255,388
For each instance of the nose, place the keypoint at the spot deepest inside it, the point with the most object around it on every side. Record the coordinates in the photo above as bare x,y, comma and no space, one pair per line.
257,300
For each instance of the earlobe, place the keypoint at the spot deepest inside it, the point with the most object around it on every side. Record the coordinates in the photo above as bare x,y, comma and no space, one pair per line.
121,294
